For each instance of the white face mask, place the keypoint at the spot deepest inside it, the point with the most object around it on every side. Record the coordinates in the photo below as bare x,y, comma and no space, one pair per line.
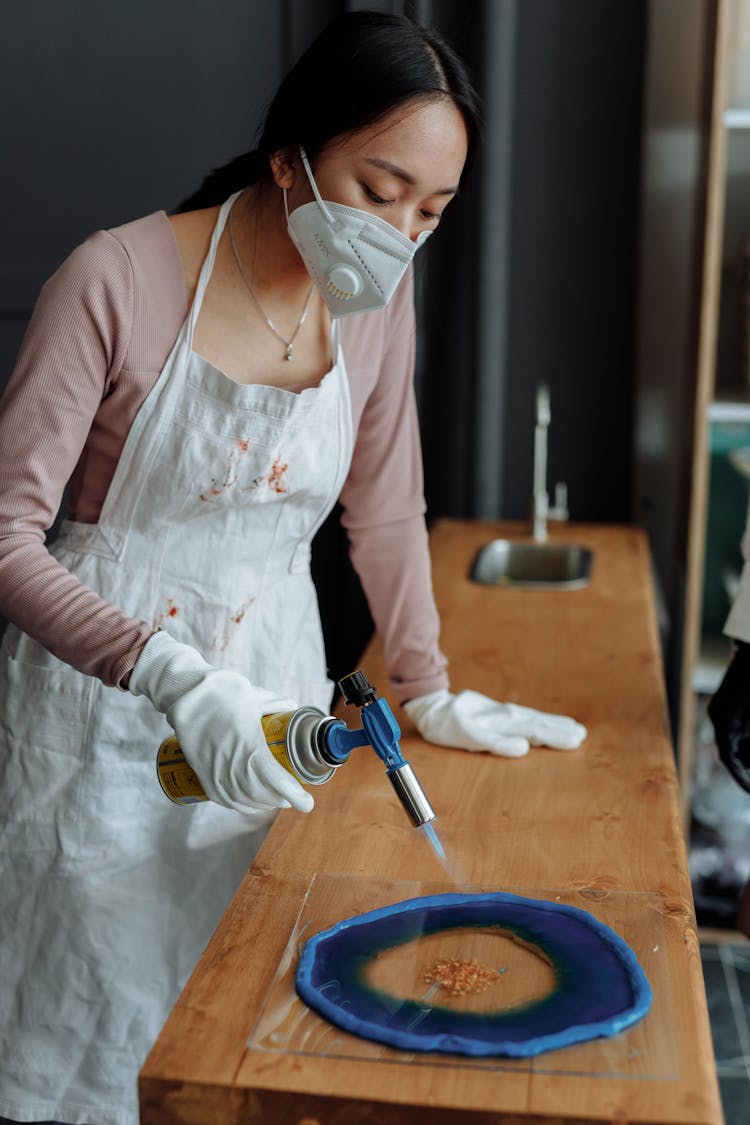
356,259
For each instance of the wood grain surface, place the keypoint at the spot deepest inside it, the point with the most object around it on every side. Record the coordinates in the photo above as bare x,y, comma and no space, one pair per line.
600,822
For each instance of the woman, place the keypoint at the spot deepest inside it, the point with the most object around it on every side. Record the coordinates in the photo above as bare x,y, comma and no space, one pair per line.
200,381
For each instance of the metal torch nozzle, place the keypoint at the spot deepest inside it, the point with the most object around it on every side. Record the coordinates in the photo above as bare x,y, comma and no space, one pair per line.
411,794
381,732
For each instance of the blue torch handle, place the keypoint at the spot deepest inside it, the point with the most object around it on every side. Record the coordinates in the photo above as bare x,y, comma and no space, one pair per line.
383,733
379,730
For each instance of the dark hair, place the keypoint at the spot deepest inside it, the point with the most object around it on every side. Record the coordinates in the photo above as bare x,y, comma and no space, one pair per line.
360,67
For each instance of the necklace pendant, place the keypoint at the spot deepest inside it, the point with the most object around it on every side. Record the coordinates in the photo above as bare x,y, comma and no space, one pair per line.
289,355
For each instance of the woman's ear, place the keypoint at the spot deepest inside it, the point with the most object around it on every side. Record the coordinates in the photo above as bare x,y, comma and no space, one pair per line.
283,167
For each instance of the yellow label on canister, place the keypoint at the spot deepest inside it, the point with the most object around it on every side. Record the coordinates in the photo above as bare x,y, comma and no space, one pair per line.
275,727
176,776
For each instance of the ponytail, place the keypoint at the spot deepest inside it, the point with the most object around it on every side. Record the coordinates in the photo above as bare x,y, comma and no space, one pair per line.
222,182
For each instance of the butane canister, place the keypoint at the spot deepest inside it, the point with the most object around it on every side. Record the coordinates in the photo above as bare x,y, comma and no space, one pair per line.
295,738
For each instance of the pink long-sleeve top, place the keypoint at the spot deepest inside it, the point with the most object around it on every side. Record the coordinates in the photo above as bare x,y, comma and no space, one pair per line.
100,333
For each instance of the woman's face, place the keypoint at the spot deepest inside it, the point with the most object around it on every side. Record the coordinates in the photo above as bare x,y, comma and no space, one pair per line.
404,168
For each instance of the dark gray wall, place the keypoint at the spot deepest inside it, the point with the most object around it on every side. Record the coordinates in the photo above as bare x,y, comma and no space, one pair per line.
111,111
675,132
568,197
572,310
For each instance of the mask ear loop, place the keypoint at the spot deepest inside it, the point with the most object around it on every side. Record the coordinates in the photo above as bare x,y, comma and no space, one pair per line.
335,223
321,202
319,198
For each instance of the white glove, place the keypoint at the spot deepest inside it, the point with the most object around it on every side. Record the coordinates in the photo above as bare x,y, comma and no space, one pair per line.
470,721
216,715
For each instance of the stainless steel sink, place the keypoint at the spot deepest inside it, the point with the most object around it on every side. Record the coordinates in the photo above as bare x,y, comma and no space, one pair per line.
504,562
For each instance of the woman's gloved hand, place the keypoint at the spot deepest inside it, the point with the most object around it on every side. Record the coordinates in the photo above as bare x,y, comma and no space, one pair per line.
470,721
729,711
216,716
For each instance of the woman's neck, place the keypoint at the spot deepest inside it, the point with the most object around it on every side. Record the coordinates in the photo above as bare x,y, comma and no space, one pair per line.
268,254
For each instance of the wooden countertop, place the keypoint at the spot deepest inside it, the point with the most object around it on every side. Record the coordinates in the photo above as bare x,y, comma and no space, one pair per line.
600,824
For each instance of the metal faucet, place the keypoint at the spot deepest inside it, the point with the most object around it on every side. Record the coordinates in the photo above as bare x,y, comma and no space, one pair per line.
542,510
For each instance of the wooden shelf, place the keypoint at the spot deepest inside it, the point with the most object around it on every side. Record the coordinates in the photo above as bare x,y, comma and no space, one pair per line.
709,935
721,394
729,411
737,119
708,401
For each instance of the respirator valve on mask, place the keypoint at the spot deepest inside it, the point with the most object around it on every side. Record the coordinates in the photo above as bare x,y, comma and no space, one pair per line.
344,282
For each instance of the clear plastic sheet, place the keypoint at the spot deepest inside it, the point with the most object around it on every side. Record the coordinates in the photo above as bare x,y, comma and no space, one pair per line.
646,1050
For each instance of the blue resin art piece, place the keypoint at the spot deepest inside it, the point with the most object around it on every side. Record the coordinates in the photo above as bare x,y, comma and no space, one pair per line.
600,989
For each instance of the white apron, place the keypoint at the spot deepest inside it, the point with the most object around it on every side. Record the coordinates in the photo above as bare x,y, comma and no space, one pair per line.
108,891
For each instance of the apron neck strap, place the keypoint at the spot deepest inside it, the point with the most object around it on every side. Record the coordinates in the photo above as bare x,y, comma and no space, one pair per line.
208,262
207,268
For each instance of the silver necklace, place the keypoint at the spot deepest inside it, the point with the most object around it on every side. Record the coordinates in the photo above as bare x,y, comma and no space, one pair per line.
288,344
